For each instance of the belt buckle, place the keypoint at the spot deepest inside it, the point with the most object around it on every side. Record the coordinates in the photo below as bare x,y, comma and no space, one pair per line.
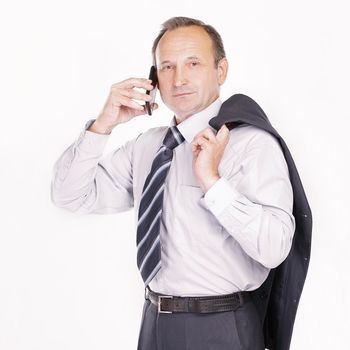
146,295
160,297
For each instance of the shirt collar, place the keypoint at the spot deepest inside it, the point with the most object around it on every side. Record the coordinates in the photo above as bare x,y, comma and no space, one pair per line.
191,126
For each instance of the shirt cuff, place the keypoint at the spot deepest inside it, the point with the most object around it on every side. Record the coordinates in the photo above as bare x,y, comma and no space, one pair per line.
220,196
91,142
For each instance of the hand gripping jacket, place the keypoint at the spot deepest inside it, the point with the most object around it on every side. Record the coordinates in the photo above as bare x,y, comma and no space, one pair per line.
278,297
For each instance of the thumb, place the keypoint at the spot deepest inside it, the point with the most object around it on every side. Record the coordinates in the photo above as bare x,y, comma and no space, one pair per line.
154,106
223,133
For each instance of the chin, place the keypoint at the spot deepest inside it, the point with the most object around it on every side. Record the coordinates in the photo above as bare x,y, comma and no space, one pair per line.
187,108
182,115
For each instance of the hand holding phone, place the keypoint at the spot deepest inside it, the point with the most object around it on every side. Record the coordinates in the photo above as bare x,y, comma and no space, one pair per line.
152,76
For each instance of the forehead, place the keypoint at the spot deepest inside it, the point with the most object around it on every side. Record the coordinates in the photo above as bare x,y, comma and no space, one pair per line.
192,40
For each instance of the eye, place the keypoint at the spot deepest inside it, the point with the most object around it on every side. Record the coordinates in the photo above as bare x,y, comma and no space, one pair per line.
166,67
194,63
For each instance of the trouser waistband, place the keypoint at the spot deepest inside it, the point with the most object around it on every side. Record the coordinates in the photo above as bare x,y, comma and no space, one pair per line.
202,304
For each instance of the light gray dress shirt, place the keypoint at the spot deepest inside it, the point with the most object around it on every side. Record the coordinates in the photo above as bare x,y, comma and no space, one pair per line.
220,242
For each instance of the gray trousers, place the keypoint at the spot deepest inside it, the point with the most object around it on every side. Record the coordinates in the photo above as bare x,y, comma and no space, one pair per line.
229,330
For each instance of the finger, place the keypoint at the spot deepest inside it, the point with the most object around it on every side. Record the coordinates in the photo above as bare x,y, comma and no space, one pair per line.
207,133
195,150
195,147
133,94
124,101
134,82
200,141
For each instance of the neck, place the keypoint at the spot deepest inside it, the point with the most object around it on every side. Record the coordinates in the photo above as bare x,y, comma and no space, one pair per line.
179,119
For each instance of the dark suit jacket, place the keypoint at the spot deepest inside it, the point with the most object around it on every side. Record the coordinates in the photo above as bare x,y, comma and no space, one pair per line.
278,297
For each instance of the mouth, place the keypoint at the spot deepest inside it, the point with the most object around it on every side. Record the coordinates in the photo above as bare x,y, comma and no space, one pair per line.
183,94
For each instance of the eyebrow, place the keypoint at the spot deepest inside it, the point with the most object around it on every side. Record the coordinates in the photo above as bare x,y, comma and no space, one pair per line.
187,58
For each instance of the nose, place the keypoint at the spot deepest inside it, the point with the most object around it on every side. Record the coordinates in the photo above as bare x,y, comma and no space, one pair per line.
179,77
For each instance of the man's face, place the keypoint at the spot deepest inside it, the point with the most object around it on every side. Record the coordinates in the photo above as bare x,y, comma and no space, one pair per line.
188,79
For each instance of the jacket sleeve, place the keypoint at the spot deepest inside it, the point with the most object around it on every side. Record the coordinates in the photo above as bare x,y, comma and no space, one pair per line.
85,182
255,205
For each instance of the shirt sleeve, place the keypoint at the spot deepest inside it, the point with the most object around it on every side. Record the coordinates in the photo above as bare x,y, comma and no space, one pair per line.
255,205
85,182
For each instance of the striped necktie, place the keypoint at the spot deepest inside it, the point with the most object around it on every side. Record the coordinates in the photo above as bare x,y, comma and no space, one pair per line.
150,210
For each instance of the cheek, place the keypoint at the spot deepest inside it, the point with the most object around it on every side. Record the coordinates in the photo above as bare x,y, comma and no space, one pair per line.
206,80
160,85
164,86
212,83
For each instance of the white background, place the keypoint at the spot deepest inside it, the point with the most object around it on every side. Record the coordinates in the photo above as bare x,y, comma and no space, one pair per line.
70,281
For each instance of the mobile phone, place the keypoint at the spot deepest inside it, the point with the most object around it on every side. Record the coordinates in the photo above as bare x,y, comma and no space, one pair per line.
152,76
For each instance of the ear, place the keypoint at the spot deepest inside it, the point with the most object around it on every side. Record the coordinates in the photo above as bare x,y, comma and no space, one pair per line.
222,70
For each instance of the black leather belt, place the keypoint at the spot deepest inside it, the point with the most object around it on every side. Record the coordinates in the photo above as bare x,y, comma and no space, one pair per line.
203,304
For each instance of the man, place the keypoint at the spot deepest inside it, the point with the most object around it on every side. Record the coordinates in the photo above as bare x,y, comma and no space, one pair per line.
214,210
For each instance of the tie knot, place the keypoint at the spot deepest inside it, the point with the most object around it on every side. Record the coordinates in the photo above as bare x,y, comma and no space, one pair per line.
173,138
